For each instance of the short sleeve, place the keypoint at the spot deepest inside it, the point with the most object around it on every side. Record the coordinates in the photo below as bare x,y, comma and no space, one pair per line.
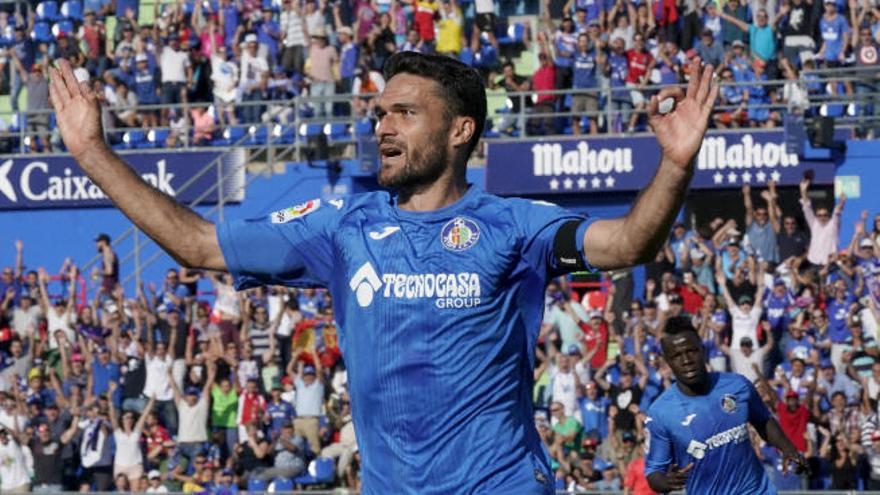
758,412
292,247
658,447
540,222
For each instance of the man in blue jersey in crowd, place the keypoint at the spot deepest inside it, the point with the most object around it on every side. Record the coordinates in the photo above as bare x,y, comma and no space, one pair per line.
439,289
697,431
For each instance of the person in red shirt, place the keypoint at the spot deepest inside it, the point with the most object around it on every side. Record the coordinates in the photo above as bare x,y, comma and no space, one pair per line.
691,293
251,406
426,11
793,417
595,337
640,63
544,79
158,439
634,480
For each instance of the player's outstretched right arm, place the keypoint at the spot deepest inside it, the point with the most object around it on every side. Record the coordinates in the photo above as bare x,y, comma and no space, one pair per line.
185,235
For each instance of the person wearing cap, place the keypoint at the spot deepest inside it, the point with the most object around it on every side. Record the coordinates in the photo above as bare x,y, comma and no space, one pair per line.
34,77
747,360
293,36
254,77
794,416
47,451
268,34
830,382
192,412
309,398
177,74
278,411
323,59
745,312
155,480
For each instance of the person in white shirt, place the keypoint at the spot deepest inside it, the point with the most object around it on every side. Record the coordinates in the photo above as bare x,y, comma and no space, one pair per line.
155,480
254,78
159,363
293,36
13,465
128,459
745,313
176,74
746,360
192,410
566,383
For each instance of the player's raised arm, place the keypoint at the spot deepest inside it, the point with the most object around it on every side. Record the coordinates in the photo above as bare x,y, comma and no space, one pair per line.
635,238
185,235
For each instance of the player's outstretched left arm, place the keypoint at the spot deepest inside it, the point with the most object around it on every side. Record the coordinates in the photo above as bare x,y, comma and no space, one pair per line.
635,238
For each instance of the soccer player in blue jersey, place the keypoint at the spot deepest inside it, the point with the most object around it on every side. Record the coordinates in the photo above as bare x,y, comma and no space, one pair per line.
438,289
697,431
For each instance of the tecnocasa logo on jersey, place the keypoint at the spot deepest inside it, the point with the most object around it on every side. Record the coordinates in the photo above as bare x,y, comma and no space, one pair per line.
447,290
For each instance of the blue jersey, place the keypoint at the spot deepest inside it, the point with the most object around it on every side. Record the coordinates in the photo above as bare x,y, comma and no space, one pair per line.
833,32
837,311
710,431
584,76
438,316
278,414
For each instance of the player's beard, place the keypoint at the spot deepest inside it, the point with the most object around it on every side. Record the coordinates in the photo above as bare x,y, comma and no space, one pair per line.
422,167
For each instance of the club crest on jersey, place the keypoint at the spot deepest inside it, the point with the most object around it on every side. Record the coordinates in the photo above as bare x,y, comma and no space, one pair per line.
728,403
294,212
459,234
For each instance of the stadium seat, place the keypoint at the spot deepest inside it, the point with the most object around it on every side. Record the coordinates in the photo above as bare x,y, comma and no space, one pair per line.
513,35
72,10
336,132
256,485
47,11
156,138
466,56
230,136
281,485
363,129
310,130
132,139
64,26
19,121
284,134
42,33
321,471
257,135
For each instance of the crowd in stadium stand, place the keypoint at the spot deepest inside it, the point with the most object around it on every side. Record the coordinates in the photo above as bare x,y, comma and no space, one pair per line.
168,388
232,53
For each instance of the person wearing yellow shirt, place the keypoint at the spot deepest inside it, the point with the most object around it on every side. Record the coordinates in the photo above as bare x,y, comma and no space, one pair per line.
450,29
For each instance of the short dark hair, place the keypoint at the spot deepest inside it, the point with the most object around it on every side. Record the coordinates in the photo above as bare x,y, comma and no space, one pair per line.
460,86
678,325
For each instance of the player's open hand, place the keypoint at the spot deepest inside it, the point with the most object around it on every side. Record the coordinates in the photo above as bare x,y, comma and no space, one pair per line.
677,477
77,110
680,131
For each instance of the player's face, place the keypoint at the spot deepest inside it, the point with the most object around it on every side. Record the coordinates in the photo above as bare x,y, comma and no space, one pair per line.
413,133
684,354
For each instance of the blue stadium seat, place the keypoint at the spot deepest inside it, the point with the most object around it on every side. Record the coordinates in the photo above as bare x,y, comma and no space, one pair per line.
336,132
363,128
284,134
156,138
257,135
230,136
282,485
256,485
321,471
73,10
47,11
42,33
19,121
310,130
132,139
514,34
64,26
466,56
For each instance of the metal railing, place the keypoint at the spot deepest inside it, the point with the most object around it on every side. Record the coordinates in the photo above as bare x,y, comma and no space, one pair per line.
860,101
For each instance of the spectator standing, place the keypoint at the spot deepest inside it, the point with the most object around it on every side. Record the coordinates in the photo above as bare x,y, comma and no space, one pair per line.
254,78
640,63
37,101
762,224
835,32
176,73
128,459
192,411
450,27
709,50
824,227
224,76
588,64
13,464
322,64
796,29
309,400
762,38
293,36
